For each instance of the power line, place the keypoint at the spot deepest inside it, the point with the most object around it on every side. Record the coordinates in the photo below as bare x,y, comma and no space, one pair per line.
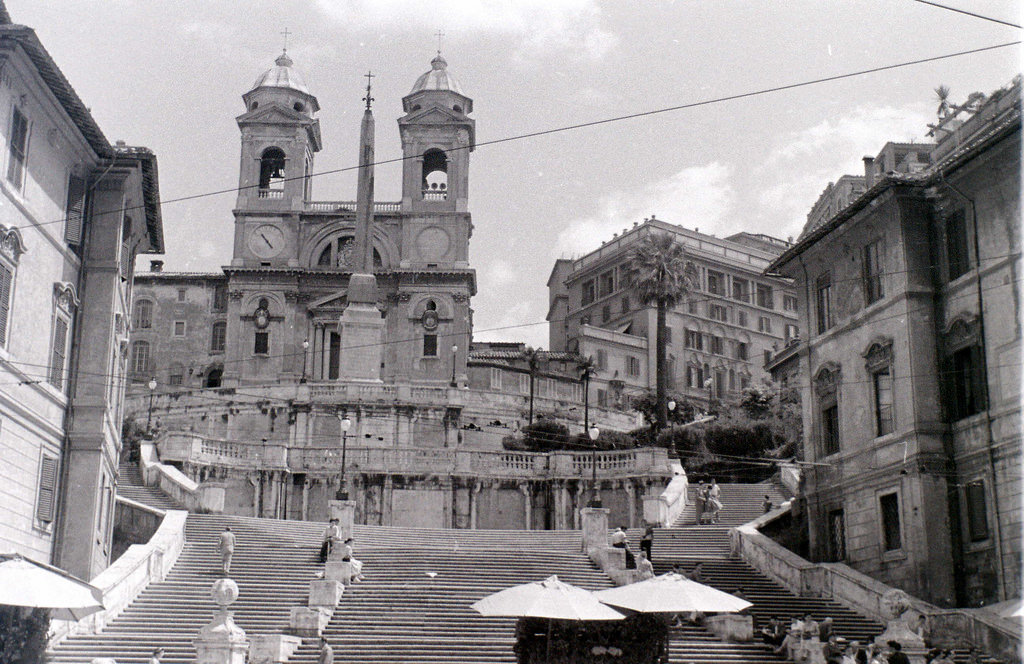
964,11
592,123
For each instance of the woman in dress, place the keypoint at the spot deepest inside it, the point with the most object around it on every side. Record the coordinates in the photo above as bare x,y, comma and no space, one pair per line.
357,565
714,500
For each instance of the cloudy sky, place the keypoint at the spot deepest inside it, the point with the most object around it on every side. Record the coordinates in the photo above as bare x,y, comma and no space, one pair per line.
170,75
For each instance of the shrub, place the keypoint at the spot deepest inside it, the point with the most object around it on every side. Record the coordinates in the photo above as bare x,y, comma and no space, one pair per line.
545,435
23,634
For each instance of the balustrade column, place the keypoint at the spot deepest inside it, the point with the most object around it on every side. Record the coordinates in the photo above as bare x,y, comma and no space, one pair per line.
631,501
474,494
577,504
528,503
449,501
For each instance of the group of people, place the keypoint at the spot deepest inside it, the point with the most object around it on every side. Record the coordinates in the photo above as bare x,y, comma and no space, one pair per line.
331,538
708,503
803,634
642,561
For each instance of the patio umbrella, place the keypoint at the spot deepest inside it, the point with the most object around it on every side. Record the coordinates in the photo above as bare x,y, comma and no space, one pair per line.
24,582
551,599
671,593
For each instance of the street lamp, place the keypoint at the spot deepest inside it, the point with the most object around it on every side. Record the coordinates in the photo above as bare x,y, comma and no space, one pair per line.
345,424
595,498
455,349
305,352
149,413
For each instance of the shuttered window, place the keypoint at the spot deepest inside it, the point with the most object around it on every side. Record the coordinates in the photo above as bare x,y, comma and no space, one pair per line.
59,353
977,517
6,282
75,210
46,503
18,149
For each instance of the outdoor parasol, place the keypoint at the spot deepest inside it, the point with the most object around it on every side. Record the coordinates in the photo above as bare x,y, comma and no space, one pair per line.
24,582
671,593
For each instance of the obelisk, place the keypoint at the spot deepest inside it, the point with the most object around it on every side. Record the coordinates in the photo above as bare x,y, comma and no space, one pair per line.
361,324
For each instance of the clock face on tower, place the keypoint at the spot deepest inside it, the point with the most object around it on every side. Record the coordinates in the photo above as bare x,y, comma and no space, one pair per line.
266,241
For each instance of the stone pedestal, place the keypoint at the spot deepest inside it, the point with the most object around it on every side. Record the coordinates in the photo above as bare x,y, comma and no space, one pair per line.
273,648
362,333
308,622
594,521
222,641
339,571
734,627
345,512
325,593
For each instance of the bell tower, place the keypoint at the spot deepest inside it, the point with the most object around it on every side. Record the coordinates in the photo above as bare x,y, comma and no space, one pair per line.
437,137
280,136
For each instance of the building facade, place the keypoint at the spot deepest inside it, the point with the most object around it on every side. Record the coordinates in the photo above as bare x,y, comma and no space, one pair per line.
253,368
74,212
911,365
720,336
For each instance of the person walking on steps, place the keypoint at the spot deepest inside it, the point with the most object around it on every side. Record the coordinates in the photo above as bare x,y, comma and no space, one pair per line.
326,652
766,505
698,504
331,536
647,542
227,549
714,504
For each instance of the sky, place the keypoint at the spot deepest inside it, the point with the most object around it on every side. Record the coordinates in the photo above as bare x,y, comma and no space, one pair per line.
170,75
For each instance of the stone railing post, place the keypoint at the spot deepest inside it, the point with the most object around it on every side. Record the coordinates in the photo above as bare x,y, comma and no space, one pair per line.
222,641
594,521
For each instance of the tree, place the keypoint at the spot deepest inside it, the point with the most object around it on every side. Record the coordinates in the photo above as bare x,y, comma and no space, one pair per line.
532,357
942,94
663,279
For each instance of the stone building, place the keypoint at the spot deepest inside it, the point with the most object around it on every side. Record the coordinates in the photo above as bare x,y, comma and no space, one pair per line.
74,212
719,338
359,312
911,365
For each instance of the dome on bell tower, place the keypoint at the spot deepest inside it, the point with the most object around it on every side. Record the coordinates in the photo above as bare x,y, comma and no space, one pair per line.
438,78
282,75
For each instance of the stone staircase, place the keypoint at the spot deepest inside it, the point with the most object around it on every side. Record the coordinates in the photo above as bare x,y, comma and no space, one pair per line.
131,486
741,503
414,605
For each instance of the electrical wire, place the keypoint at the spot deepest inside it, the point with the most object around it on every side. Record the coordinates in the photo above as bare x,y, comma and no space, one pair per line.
583,125
964,11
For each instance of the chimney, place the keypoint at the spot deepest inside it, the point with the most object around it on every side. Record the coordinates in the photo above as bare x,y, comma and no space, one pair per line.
869,172
156,266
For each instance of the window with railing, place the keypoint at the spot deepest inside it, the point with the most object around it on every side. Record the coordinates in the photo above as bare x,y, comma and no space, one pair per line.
789,302
143,315
588,293
606,283
716,282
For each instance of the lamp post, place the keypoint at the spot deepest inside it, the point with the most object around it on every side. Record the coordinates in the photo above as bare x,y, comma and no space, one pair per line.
305,352
149,413
595,498
709,383
345,423
455,349
671,405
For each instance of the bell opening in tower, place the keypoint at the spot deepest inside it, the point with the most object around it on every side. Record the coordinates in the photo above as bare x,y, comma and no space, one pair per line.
272,173
435,175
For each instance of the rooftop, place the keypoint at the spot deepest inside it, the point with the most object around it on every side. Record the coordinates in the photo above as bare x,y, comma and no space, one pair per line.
438,78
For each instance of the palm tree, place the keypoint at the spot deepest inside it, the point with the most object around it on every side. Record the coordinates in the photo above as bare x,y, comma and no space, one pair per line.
532,357
942,94
663,279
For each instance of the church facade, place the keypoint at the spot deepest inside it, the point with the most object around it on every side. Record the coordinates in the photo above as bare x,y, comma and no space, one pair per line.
331,355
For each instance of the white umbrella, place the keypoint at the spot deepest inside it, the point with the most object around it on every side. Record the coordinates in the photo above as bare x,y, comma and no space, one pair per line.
549,598
671,593
24,582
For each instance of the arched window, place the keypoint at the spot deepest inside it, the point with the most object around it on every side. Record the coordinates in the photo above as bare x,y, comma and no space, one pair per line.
140,357
218,337
337,253
143,318
272,173
435,175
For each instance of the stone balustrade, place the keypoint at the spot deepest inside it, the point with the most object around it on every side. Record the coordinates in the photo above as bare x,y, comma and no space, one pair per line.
349,206
192,448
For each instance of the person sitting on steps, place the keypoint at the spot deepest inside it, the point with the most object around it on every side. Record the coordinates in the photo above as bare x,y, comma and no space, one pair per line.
357,566
330,539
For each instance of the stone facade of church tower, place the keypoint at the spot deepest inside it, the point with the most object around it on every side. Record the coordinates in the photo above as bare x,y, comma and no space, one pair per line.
292,257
